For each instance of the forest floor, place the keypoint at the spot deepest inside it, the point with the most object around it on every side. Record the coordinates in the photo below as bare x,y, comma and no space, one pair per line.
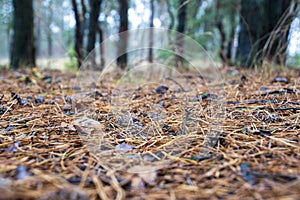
239,140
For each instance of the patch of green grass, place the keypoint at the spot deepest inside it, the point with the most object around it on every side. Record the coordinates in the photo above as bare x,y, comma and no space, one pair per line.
294,61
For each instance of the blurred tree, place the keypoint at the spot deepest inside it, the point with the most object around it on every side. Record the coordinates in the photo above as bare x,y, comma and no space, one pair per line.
62,20
220,27
23,51
264,29
102,49
6,26
151,24
226,22
48,28
181,17
93,23
53,28
37,27
213,24
123,13
193,23
78,35
80,18
172,19
93,28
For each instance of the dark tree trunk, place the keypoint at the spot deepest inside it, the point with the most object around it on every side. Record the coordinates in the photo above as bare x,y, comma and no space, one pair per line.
264,29
181,16
225,19
84,21
230,47
101,46
93,23
123,12
221,30
23,51
179,49
49,32
78,34
280,19
150,55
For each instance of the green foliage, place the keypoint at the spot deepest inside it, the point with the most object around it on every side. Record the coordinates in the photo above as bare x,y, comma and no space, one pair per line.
72,63
6,10
164,54
203,18
68,36
207,41
294,60
168,57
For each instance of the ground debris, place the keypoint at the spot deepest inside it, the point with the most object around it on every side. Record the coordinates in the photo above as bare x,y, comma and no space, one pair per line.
253,152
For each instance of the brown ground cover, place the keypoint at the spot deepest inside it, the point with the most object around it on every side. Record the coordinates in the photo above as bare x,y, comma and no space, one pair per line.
46,152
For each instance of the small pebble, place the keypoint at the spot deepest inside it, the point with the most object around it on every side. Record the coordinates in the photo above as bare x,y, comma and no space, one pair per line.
67,107
39,99
161,89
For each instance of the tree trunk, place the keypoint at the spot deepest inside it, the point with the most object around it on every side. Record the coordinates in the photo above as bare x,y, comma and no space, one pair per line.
280,18
23,51
123,12
49,31
264,29
229,53
179,49
78,34
193,8
38,35
101,46
150,53
172,21
93,23
220,27
84,23
171,15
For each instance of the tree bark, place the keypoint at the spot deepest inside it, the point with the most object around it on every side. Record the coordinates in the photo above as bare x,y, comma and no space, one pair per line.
101,46
264,29
93,23
179,49
221,30
280,19
78,35
150,53
123,12
84,21
23,51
